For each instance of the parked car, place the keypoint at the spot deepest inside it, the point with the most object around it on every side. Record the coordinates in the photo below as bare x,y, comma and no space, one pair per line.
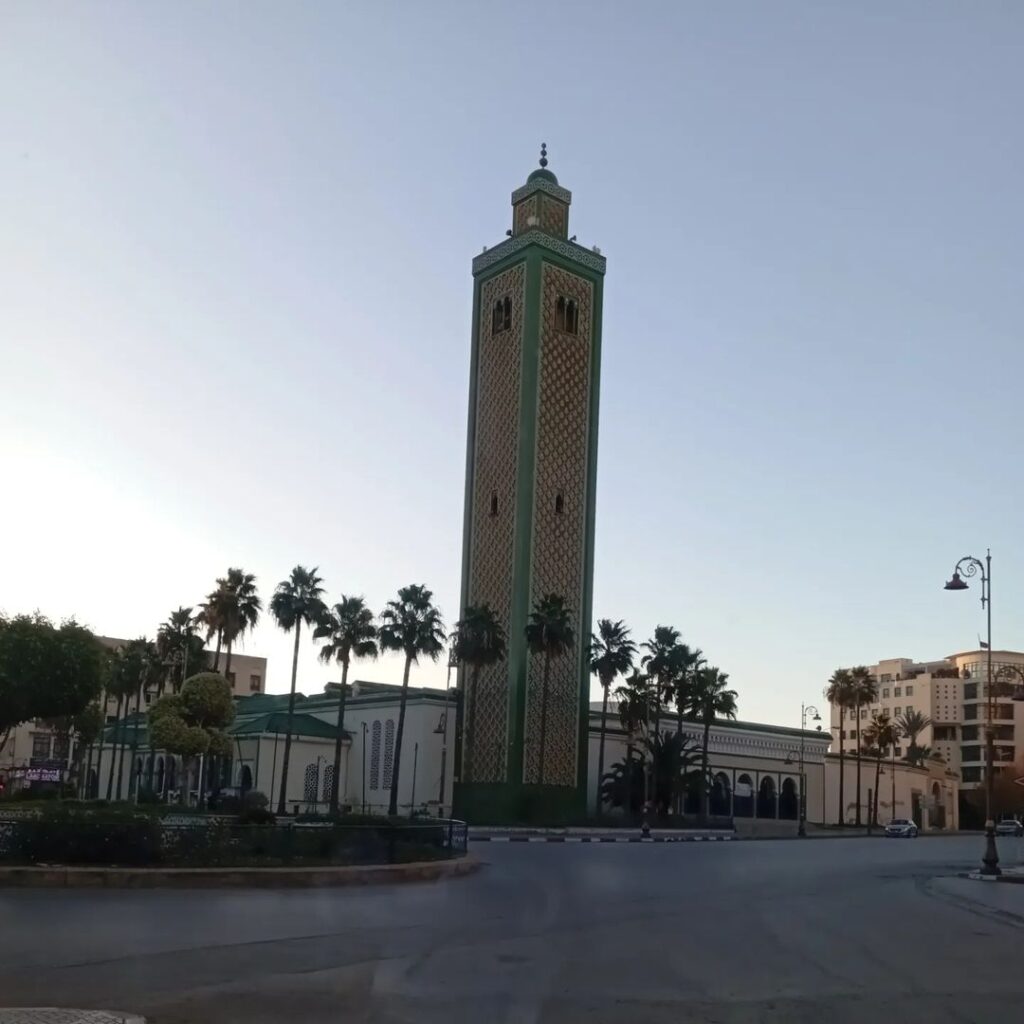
901,828
1009,827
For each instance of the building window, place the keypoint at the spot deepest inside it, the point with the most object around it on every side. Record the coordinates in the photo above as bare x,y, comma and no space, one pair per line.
61,747
230,678
567,315
896,752
897,691
494,503
886,677
41,744
970,691
255,682
971,712
389,751
910,691
501,316
970,753
885,693
898,711
375,755
970,774
559,503
863,712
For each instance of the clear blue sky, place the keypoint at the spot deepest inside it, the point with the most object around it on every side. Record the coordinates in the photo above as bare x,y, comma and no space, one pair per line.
235,308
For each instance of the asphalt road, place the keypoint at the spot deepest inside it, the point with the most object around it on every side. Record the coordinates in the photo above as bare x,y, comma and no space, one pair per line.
843,930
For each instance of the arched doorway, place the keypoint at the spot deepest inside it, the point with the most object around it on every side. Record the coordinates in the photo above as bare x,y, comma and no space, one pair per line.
245,779
719,803
743,799
766,798
788,800
160,774
172,774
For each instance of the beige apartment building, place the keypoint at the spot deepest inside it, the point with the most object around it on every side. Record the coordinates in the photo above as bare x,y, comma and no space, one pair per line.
952,693
34,746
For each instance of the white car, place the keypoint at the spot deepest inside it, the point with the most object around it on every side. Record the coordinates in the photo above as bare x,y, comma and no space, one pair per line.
901,828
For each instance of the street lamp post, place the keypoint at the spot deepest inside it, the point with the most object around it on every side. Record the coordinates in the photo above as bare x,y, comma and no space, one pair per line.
805,710
970,566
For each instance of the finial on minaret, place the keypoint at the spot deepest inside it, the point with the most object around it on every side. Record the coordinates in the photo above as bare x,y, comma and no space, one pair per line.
543,154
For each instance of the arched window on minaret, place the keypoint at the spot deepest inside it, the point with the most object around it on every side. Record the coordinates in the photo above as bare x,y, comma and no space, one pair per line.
501,316
567,315
494,503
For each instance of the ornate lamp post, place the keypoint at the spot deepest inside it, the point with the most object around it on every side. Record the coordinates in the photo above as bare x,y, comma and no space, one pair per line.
970,566
805,710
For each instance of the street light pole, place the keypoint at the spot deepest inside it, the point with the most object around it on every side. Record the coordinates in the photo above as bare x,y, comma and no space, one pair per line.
805,710
971,566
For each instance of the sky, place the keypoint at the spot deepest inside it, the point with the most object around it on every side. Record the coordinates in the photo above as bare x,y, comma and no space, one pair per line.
235,292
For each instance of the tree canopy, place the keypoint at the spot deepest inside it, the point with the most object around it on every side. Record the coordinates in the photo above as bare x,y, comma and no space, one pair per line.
192,722
47,671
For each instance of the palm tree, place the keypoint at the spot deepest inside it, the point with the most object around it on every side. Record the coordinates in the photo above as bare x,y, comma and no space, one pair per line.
634,706
478,641
350,633
840,693
664,664
212,615
241,609
712,700
180,648
413,626
865,691
911,724
880,735
296,600
611,655
549,633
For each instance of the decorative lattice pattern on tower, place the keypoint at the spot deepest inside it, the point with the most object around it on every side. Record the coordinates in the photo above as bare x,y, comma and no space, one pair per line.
523,212
490,573
563,411
553,217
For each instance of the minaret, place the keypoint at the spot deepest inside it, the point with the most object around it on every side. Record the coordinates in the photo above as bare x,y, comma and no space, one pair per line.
529,513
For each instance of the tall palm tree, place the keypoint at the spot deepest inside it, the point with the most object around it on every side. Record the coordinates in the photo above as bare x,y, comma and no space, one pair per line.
840,693
634,706
911,724
712,700
880,735
666,662
350,633
611,655
180,648
241,608
865,691
549,633
478,640
413,626
297,600
212,616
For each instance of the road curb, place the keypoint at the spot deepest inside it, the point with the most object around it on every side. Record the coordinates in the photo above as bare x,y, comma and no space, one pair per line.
601,839
206,878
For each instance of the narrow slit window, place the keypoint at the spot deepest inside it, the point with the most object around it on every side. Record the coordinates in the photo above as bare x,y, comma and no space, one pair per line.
559,503
494,503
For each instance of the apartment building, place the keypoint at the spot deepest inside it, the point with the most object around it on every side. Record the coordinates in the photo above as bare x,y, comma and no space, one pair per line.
952,693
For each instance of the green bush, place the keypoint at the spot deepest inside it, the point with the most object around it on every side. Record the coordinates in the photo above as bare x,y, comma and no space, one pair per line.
60,835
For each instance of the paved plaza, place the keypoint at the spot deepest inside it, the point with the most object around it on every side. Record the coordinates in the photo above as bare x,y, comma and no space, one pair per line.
843,930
